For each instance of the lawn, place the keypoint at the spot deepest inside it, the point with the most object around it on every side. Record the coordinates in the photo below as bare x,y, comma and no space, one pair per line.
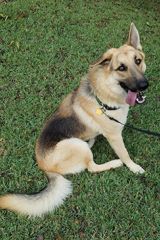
45,49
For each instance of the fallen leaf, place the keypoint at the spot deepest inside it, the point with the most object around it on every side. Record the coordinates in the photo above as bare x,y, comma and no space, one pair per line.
81,234
22,15
58,237
11,43
3,16
1,40
17,44
40,237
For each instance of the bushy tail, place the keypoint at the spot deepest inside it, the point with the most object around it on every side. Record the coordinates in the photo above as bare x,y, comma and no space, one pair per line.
38,204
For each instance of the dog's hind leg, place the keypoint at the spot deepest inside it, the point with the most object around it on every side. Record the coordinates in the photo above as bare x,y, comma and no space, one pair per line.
93,167
69,156
72,156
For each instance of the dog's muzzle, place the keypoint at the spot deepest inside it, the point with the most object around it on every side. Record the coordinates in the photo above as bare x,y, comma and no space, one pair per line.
134,91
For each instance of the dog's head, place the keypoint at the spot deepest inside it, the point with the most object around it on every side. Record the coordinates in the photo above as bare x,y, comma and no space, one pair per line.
121,70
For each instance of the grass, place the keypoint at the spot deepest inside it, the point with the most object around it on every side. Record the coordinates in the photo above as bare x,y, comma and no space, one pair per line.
46,47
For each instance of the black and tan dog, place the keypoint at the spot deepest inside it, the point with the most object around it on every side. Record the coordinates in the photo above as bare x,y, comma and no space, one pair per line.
114,80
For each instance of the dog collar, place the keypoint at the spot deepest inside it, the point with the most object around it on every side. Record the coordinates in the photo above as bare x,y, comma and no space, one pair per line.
105,107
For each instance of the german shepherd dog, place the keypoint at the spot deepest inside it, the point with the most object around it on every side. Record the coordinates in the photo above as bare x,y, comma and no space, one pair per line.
63,147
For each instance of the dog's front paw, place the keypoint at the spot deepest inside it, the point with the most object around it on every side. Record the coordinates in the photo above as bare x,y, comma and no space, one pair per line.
135,168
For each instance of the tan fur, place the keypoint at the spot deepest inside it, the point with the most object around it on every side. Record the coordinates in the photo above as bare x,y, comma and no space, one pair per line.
72,154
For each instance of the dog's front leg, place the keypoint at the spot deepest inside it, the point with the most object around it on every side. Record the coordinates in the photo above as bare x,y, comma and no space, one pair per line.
116,142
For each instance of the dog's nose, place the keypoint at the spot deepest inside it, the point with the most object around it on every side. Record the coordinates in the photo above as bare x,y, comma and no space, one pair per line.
142,84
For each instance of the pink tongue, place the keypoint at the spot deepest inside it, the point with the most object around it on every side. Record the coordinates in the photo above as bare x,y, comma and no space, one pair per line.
131,98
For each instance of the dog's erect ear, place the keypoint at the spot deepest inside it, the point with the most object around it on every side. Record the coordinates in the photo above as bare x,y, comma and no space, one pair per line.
104,59
133,38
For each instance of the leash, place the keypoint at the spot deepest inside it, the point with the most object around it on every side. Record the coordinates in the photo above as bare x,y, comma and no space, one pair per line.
155,134
105,107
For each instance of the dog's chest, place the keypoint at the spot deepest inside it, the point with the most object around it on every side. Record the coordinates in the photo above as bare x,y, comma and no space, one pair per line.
120,114
109,124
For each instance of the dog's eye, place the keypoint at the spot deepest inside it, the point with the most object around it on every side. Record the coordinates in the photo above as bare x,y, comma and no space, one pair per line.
122,68
138,61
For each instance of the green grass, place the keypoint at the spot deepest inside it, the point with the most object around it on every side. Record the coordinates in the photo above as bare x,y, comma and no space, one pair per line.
46,47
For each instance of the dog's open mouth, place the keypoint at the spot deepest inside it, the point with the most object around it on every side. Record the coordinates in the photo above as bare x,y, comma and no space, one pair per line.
133,97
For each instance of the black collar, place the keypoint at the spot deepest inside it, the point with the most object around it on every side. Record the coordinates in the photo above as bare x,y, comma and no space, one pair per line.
89,90
105,106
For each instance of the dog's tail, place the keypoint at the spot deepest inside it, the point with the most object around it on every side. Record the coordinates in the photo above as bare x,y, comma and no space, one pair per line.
40,203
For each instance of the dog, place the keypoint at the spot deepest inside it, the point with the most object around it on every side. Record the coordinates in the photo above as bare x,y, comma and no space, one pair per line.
64,145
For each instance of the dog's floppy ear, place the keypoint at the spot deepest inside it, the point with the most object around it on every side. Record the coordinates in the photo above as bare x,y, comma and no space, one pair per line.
104,59
133,38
